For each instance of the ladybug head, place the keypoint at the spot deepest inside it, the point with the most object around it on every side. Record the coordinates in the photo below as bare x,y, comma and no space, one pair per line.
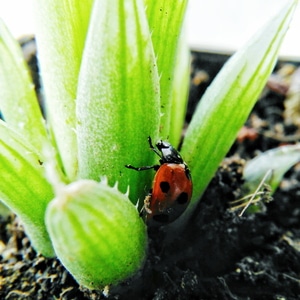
168,153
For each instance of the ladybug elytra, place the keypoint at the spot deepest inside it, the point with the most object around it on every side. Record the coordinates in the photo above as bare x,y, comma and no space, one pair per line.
172,185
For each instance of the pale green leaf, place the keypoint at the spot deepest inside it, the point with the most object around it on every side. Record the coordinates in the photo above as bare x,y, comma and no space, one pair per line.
228,101
165,21
118,96
278,161
179,93
23,186
61,28
18,101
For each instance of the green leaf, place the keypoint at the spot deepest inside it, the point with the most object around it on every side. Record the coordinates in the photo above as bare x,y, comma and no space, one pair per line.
18,101
23,186
97,233
179,93
165,22
278,161
228,101
61,28
118,96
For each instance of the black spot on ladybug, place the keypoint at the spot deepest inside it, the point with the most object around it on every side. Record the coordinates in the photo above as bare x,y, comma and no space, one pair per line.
162,218
164,186
182,198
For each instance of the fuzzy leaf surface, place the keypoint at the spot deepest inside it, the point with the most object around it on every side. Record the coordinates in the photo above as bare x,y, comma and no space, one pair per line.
118,97
165,21
61,28
97,233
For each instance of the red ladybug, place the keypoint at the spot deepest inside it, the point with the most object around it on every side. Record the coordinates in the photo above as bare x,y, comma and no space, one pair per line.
172,186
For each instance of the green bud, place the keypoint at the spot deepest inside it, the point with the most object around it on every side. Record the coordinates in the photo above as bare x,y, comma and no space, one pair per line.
97,233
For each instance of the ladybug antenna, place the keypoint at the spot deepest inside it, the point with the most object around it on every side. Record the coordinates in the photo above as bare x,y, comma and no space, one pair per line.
150,142
153,148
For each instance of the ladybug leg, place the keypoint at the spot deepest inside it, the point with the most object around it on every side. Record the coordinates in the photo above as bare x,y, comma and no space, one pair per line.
145,208
155,167
147,204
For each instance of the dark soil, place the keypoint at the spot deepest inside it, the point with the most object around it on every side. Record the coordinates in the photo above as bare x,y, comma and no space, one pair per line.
219,255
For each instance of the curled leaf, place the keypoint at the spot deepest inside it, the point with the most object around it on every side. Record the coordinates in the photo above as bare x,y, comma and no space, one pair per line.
278,161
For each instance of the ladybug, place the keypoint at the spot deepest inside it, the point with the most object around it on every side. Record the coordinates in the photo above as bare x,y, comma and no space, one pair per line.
172,186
